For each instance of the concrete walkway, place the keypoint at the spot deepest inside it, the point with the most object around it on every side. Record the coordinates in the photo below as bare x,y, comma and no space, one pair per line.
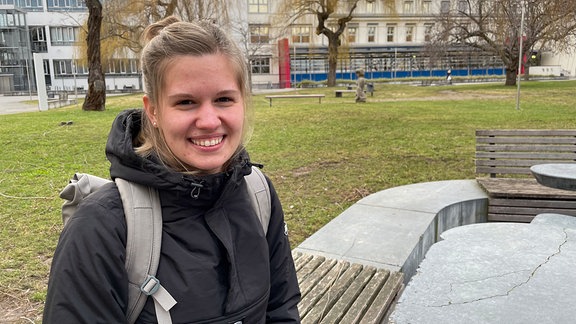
17,104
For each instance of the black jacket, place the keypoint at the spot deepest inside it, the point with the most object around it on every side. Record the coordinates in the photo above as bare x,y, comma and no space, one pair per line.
215,260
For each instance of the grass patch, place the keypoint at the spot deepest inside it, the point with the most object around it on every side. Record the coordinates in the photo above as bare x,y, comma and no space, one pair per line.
321,157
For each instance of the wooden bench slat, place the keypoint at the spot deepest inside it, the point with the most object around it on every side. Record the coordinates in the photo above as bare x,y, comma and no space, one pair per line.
365,299
534,203
332,295
519,188
384,299
490,170
526,164
300,259
343,306
525,132
309,267
337,291
527,155
310,279
524,140
510,218
526,148
322,284
515,210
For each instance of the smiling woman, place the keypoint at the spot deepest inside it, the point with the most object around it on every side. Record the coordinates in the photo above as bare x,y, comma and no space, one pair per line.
187,144
201,113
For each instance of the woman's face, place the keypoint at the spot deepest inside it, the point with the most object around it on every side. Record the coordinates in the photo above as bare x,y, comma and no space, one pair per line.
201,111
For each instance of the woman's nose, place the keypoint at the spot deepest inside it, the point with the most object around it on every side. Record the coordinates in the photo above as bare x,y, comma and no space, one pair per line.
208,117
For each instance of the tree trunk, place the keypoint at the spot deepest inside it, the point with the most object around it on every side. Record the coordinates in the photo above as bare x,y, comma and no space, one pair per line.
332,60
96,95
511,77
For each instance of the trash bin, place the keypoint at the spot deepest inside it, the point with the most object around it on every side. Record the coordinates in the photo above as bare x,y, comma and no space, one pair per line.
370,88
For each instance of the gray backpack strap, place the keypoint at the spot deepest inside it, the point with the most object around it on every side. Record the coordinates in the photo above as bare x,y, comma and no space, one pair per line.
143,243
260,196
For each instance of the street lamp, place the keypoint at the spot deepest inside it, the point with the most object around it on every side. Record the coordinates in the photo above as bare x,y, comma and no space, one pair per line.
520,56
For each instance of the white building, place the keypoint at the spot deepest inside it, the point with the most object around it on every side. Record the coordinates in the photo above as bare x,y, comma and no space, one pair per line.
386,43
50,28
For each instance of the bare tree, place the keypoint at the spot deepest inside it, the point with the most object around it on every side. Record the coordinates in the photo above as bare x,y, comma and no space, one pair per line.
494,26
125,20
332,17
96,95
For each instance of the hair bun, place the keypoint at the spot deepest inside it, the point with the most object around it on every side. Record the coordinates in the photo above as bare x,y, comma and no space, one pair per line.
154,29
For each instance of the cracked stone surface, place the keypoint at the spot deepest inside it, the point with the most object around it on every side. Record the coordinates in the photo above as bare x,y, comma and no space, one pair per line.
494,273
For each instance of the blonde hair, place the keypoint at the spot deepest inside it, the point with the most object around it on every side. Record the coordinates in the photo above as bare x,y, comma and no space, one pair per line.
164,41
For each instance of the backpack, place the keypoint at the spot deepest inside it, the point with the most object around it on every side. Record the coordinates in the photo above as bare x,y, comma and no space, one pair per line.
144,233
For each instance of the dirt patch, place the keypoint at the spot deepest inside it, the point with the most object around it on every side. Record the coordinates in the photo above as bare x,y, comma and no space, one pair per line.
19,309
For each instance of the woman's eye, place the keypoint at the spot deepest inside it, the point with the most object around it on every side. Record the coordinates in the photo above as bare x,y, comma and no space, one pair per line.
225,99
185,102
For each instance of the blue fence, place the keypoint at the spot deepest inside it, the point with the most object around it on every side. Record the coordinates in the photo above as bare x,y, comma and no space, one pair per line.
297,77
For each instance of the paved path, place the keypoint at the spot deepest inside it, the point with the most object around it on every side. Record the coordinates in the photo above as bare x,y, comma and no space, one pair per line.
17,104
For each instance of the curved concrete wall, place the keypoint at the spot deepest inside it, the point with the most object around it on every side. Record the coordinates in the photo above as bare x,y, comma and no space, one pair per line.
394,228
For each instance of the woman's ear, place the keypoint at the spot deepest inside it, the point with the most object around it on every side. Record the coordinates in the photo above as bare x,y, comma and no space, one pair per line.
150,110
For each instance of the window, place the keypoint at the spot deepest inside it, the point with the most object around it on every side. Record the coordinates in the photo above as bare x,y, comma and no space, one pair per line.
410,33
62,67
122,66
79,68
260,65
258,6
426,6
408,7
301,34
46,67
428,32
370,7
444,7
38,39
63,35
391,32
259,34
352,31
372,33
65,4
33,5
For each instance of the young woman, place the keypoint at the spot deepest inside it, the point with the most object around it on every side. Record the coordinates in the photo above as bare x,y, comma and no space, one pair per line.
188,143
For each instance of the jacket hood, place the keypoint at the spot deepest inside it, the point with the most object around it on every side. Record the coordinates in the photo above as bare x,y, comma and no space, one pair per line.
126,164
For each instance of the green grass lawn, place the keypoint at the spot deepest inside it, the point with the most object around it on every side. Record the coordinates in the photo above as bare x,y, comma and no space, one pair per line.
321,158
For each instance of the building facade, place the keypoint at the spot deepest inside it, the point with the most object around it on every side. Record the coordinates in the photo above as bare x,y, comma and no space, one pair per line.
385,42
50,29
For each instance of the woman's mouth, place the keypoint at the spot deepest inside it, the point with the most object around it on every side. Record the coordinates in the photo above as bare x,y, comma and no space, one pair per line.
207,142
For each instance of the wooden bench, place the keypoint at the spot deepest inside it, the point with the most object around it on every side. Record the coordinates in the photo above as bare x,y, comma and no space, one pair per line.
338,93
504,157
336,291
369,89
319,96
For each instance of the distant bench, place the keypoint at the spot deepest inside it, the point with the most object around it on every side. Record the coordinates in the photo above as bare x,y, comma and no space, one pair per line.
507,155
369,89
336,291
319,96
338,93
